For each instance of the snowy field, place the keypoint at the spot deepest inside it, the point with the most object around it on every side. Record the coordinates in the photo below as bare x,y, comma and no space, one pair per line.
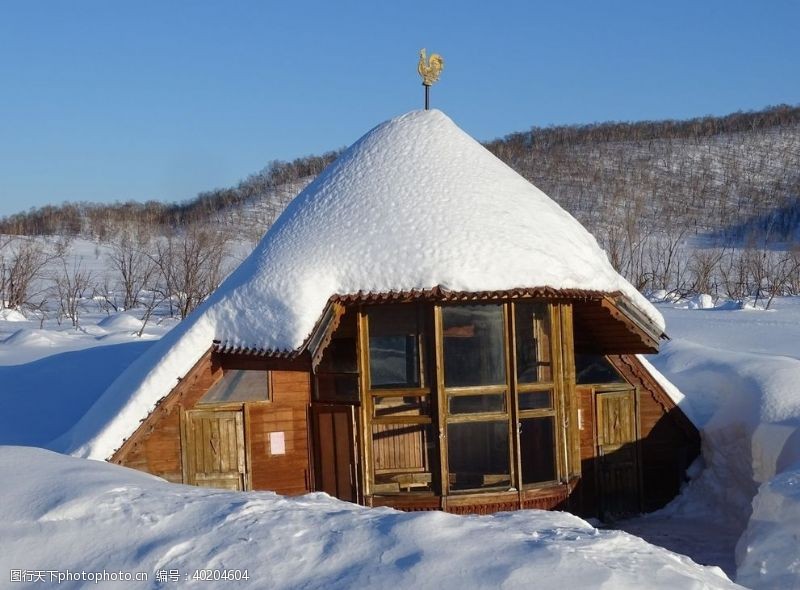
738,368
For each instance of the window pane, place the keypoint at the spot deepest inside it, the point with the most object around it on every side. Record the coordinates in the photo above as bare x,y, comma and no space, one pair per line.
537,449
403,456
475,404
336,388
535,400
394,347
339,356
477,454
474,339
532,323
595,368
238,386
410,405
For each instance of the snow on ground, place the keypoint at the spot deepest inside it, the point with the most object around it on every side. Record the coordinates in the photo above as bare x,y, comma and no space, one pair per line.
739,371
102,516
56,373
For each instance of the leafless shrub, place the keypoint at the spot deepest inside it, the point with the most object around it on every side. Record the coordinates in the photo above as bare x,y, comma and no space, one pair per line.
22,264
191,266
133,263
70,286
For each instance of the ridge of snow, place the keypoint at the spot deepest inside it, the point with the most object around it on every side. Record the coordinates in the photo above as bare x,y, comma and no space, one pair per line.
415,203
131,521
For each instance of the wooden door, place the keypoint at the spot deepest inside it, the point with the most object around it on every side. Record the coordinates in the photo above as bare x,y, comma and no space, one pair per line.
213,450
618,454
335,468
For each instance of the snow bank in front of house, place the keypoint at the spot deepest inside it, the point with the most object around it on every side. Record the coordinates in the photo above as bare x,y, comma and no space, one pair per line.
133,522
769,551
414,204
740,372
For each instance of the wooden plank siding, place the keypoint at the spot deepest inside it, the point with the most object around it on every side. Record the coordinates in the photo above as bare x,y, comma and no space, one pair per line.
287,413
668,442
156,446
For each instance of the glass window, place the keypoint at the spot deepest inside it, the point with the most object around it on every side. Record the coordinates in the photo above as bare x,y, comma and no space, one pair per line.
336,388
394,354
537,449
238,386
474,344
532,325
339,356
535,400
477,454
337,373
595,368
411,405
476,404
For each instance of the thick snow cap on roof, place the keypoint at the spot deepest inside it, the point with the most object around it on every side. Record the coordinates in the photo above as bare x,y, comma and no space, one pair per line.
415,203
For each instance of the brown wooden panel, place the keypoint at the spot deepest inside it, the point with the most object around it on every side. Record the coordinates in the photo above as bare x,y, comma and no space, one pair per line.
155,447
334,450
617,445
398,447
284,471
215,449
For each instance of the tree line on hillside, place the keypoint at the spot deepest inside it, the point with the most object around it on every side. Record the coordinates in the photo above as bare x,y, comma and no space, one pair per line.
705,205
100,221
145,272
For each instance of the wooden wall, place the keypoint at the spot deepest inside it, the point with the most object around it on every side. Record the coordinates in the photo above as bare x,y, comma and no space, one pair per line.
155,447
669,442
287,473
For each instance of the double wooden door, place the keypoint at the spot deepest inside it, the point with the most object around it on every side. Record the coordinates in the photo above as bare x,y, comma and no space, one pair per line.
335,450
214,449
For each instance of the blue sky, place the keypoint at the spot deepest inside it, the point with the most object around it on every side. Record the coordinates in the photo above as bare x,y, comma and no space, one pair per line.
105,101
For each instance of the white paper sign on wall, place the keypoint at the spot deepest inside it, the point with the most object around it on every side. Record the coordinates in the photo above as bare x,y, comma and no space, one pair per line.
277,443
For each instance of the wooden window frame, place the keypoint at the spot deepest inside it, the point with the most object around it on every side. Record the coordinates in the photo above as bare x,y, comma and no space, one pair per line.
368,417
233,405
444,407
556,410
431,347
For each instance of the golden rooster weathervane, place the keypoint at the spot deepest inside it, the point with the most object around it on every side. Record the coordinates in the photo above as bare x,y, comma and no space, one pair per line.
429,69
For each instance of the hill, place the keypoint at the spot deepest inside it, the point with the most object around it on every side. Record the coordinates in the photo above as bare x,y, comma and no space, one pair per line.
706,205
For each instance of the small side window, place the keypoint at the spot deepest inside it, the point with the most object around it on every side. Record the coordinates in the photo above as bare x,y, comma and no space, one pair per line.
238,385
595,368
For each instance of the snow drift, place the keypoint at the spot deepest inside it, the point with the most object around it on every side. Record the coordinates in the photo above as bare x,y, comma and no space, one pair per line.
134,522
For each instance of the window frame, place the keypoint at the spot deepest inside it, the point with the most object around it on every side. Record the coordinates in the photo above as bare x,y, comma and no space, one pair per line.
447,418
369,395
431,360
556,410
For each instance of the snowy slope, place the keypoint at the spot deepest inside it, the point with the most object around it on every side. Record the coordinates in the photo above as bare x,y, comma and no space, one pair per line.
416,203
102,516
738,370
740,373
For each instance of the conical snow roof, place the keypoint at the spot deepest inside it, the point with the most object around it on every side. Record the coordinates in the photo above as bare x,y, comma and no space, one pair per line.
415,204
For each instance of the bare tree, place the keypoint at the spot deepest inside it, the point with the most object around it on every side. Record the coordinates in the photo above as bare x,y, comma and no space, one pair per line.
70,284
130,257
191,266
22,264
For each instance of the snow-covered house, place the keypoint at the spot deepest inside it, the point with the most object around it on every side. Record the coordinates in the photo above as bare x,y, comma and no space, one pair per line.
421,328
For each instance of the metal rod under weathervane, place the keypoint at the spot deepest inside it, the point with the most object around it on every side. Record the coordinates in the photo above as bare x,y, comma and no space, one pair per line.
429,69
